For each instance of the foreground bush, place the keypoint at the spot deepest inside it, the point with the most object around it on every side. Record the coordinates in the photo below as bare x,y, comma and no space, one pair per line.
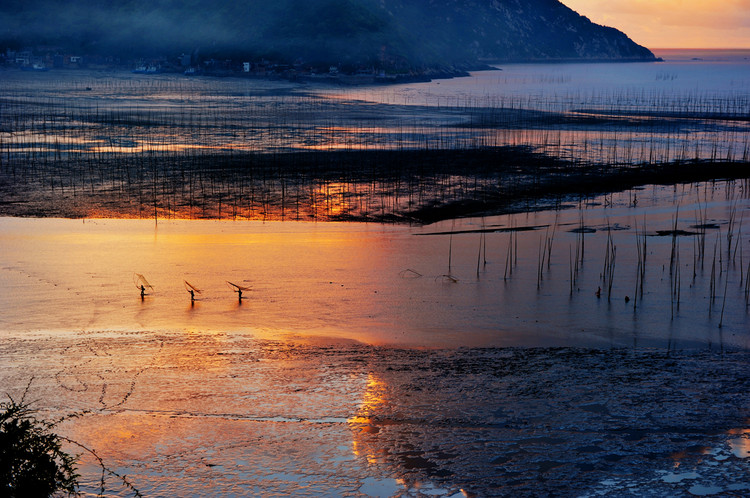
32,462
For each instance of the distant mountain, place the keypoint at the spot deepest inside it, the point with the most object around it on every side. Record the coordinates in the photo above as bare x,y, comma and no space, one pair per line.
395,34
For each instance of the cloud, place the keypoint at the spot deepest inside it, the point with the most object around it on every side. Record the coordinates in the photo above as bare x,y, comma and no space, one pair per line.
673,22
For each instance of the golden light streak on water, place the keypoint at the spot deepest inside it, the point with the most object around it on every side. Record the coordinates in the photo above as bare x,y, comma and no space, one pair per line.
363,422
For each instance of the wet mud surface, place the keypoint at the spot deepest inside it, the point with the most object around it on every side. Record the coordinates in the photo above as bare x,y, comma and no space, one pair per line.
207,399
115,145
210,414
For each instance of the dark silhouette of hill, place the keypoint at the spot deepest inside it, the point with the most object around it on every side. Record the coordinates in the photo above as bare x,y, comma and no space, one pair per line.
380,33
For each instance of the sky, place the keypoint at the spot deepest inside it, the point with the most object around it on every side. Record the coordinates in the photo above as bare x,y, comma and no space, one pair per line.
673,23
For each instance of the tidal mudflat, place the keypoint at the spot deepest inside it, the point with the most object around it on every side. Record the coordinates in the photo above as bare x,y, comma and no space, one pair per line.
544,312
113,144
530,353
193,413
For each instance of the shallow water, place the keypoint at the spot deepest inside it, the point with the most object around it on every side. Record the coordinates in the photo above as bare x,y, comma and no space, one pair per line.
629,99
329,378
692,105
564,86
195,413
113,144
388,284
382,360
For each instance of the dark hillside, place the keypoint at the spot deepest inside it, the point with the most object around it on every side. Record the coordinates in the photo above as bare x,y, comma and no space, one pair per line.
378,33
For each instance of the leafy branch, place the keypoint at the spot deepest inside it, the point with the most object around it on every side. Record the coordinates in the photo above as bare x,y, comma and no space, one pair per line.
32,460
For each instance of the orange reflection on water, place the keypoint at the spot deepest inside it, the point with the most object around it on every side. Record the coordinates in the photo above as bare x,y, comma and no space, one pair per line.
373,399
364,423
336,138
306,279
740,445
166,142
333,198
117,437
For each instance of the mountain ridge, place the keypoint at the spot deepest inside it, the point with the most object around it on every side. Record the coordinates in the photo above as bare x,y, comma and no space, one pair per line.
389,34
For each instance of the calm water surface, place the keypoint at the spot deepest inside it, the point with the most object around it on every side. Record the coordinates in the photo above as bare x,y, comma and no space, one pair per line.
388,284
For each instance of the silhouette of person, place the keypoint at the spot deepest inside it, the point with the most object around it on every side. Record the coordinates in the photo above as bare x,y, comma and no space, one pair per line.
143,291
192,295
239,293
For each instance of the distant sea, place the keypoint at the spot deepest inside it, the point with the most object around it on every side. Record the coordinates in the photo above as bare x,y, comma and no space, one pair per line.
713,75
729,55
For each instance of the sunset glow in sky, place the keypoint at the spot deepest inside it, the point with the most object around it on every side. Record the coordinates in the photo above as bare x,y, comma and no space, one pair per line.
673,23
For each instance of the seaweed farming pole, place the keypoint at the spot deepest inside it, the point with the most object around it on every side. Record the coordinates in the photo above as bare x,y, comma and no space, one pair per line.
724,300
450,245
545,253
509,257
540,264
608,270
712,285
730,232
674,278
154,175
479,253
673,254
641,267
570,260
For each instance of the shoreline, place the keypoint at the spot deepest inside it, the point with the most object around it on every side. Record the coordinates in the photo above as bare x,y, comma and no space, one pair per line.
349,79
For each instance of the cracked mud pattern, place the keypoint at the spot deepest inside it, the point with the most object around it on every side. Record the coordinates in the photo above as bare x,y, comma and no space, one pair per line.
198,414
